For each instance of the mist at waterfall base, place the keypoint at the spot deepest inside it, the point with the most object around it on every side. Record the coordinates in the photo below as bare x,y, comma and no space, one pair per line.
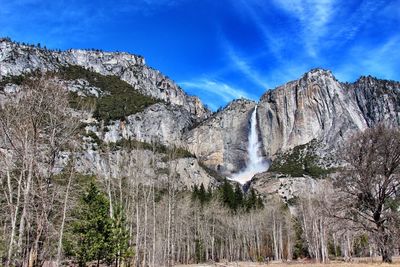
255,162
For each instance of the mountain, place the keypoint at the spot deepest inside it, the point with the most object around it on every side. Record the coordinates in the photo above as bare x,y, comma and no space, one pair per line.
135,103
17,59
317,108
135,108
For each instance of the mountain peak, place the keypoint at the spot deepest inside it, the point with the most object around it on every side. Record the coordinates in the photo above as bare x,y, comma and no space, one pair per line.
318,72
371,80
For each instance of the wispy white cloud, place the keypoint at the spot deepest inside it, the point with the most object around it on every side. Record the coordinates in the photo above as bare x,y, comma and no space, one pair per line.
329,23
243,65
273,42
217,90
382,61
348,28
314,17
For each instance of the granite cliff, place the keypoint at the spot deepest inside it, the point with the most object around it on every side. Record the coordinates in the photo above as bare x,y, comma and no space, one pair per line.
17,59
221,141
318,106
315,107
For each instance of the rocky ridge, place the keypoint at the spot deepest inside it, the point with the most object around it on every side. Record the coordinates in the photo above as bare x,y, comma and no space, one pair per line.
17,59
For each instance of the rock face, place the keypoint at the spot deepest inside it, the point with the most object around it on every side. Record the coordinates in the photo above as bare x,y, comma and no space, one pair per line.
286,187
318,106
160,123
315,107
220,142
16,59
378,100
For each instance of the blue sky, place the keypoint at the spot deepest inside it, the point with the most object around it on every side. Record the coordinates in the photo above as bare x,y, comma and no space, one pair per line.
222,49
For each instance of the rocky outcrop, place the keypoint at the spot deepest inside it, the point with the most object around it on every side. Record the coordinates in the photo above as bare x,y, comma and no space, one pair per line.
318,112
289,190
318,106
16,59
160,123
270,184
378,100
220,142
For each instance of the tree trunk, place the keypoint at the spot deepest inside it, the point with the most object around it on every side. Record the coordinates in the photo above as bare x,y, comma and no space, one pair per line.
137,226
154,228
386,255
13,214
25,206
386,245
59,249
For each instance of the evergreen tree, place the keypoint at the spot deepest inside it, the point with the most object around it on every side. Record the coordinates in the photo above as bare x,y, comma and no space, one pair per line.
92,230
209,193
202,194
238,197
120,237
251,200
299,248
227,194
260,203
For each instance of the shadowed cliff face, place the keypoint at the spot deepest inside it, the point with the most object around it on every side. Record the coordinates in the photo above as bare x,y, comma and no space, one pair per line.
221,141
378,100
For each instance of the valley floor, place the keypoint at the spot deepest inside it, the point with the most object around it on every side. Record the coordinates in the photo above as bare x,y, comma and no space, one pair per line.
357,262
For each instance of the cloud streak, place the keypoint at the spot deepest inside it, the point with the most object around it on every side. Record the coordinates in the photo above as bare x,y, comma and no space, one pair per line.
245,68
382,61
314,17
217,90
349,28
274,42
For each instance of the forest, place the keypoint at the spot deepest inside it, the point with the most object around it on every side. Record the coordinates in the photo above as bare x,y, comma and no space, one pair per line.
58,215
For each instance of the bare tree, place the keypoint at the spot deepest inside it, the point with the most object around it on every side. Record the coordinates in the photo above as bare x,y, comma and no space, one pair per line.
370,184
314,221
35,126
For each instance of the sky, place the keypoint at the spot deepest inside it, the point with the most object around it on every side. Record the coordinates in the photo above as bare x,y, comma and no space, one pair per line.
220,50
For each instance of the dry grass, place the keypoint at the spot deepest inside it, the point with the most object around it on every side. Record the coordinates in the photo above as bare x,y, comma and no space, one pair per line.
355,263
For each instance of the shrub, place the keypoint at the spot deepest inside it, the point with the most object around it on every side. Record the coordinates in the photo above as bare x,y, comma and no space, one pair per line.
299,161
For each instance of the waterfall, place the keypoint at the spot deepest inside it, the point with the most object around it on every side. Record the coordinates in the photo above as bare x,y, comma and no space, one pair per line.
255,163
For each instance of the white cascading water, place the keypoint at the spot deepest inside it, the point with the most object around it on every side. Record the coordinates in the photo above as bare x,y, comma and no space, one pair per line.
255,163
